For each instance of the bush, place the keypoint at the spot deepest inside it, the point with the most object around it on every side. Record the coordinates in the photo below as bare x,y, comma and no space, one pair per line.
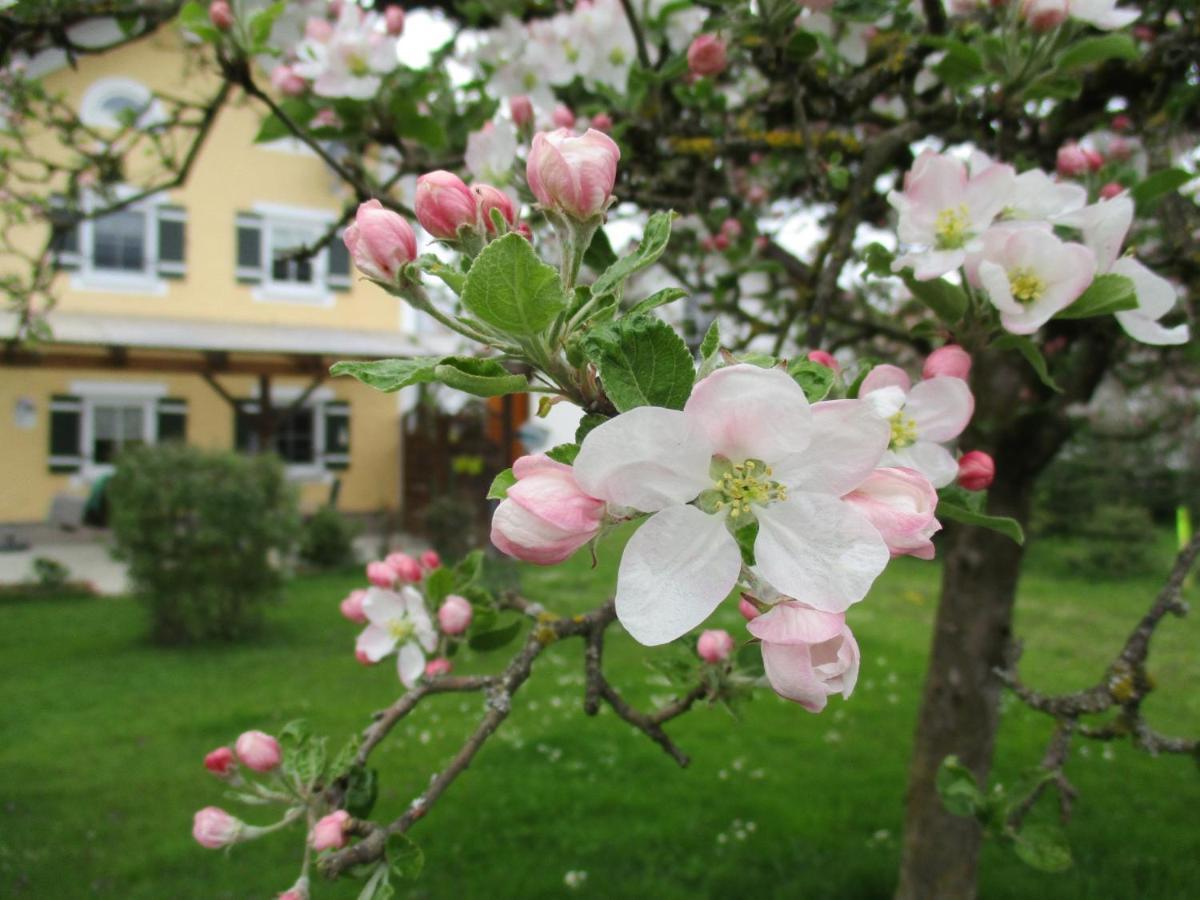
50,575
202,533
450,525
327,539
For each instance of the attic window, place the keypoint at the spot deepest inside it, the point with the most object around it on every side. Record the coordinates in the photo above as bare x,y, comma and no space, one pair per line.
110,102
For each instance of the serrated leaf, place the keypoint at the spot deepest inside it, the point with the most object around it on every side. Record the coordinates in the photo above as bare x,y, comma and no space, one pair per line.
344,761
586,424
390,374
449,275
1010,528
1032,354
495,639
654,242
657,299
468,569
564,453
712,341
1043,847
1106,294
599,255
816,379
1095,50
642,362
438,586
957,787
511,289
405,859
500,485
480,377
262,22
1154,186
962,66
948,301
362,787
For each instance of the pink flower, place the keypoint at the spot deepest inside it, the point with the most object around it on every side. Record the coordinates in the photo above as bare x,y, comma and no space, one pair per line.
714,645
330,831
1071,160
220,14
747,446
430,560
214,828
900,503
380,574
455,614
1029,275
721,242
731,228
546,516
521,108
439,666
1112,189
405,567
563,116
258,751
287,82
573,174
747,609
351,607
602,122
706,55
1122,122
808,654
393,20
380,241
444,205
950,360
1044,15
400,623
823,358
1095,161
976,470
319,30
489,198
220,761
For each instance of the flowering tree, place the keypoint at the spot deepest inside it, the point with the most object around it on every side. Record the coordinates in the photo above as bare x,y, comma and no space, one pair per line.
989,194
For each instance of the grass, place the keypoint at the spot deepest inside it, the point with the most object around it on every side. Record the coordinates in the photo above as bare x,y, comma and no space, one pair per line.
102,737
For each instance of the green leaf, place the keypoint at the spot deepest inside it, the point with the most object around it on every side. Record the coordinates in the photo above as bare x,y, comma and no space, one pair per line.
344,761
1032,354
389,374
404,857
413,125
642,362
712,341
1053,87
1010,528
511,289
599,255
878,259
961,67
494,640
654,242
1106,294
801,46
262,22
587,423
450,276
816,379
948,301
749,660
657,299
500,485
1095,50
481,377
957,787
194,18
1043,847
362,787
468,569
439,585
272,128
1154,186
564,453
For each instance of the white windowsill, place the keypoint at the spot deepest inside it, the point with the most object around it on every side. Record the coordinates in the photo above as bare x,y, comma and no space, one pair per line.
117,283
274,292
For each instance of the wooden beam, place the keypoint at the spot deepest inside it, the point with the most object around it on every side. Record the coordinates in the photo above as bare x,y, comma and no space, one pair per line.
216,386
296,364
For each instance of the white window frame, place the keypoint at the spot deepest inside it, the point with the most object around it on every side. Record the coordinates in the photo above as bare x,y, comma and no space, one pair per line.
148,281
92,106
281,399
92,394
278,216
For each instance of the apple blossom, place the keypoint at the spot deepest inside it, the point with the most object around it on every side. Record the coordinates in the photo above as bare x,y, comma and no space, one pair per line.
747,447
976,470
445,205
1111,189
1071,160
1038,196
220,761
405,567
220,14
1094,160
944,210
288,82
380,574
439,666
563,116
521,109
573,174
259,751
214,828
1103,14
430,560
393,19
900,503
349,59
491,151
1029,275
330,831
706,55
455,614
351,607
546,516
1044,15
950,360
922,417
602,122
489,198
823,358
380,242
714,645
808,654
400,621
1122,122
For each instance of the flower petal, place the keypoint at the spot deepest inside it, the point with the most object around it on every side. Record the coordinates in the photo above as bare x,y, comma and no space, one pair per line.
849,438
819,550
789,669
751,413
410,663
675,571
941,406
793,623
375,642
933,461
885,376
382,606
648,458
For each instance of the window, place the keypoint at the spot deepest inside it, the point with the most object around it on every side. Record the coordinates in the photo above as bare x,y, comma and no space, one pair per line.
116,102
308,438
119,241
265,242
116,426
90,428
284,241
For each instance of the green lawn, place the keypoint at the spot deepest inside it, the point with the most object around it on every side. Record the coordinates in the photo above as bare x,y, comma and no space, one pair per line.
102,737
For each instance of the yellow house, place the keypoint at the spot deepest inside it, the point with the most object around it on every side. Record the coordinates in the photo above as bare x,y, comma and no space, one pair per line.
176,316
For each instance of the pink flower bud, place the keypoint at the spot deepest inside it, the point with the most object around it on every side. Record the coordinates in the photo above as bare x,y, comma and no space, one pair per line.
1044,15
352,606
430,560
900,503
521,108
258,751
455,614
757,194
380,241
525,231
361,656
326,117
1121,122
298,891
444,204
220,14
214,828
721,242
1144,33
708,244
220,761
393,20
824,358
564,116
602,122
381,574
319,30
573,174
1071,160
950,360
438,666
490,198
1095,162
1110,190
807,654
546,516
706,55
1119,149
330,831
714,645
731,228
976,470
287,82
748,610
405,567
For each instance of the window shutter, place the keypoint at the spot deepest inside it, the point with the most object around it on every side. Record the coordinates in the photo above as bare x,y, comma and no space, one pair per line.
64,242
338,278
172,241
66,417
243,428
249,248
337,435
172,420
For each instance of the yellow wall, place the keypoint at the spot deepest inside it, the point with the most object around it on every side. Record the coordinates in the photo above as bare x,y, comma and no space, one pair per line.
27,486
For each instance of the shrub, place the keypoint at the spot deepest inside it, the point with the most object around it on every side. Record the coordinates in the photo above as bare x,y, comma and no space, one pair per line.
202,533
50,575
450,525
327,539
